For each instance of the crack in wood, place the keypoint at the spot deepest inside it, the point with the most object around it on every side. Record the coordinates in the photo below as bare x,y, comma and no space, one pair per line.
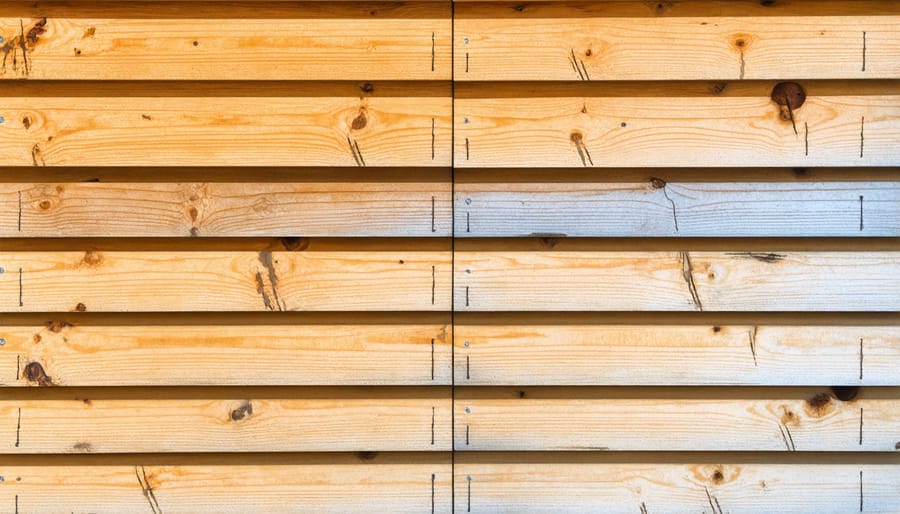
147,489
752,334
687,271
354,151
862,135
644,508
788,438
581,71
36,157
265,258
581,147
19,427
864,51
713,502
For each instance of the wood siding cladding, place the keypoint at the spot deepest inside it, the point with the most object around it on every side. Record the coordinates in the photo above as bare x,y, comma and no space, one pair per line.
272,256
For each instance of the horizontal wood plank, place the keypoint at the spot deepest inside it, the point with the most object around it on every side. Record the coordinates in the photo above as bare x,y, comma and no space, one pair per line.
59,353
676,355
335,126
233,41
676,419
224,420
636,126
577,41
659,208
554,280
331,483
332,209
225,281
582,485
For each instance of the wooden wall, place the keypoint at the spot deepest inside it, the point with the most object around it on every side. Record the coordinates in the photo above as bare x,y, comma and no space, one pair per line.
433,256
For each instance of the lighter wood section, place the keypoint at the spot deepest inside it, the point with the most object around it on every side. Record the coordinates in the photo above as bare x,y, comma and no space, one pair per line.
577,41
225,281
125,355
676,281
330,128
627,488
332,209
225,420
332,483
234,41
575,127
675,419
676,355
699,209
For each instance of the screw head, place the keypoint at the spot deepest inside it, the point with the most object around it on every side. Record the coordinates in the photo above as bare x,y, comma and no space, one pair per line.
2,119
468,410
466,344
468,201
2,341
2,270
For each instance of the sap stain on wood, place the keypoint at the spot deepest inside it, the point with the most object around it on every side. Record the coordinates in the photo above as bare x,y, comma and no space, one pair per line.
819,405
57,326
24,43
34,373
789,96
242,411
83,447
272,302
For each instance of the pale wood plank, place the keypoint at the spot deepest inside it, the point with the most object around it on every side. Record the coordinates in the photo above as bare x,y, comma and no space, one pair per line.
336,126
678,419
225,420
576,41
537,354
676,281
365,482
62,354
233,41
332,209
581,485
685,209
225,281
631,126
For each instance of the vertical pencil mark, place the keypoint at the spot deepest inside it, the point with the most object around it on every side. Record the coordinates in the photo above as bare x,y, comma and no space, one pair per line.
20,288
432,51
864,52
860,358
18,427
862,135
468,377
805,138
432,139
469,493
432,358
432,285
144,482
860,212
467,62
860,491
432,425
468,223
18,367
467,149
752,334
860,425
20,211
467,435
687,271
433,228
432,493
467,296
17,504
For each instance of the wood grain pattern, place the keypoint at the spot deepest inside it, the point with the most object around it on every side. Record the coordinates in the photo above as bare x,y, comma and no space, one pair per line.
676,355
676,419
573,484
676,281
682,209
233,41
225,281
161,420
369,482
341,126
576,41
224,355
630,126
166,209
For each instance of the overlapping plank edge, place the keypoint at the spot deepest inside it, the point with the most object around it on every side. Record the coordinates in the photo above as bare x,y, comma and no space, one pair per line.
226,124
712,482
689,40
159,420
169,209
365,481
663,124
212,40
683,354
583,280
60,353
678,419
155,281
658,208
